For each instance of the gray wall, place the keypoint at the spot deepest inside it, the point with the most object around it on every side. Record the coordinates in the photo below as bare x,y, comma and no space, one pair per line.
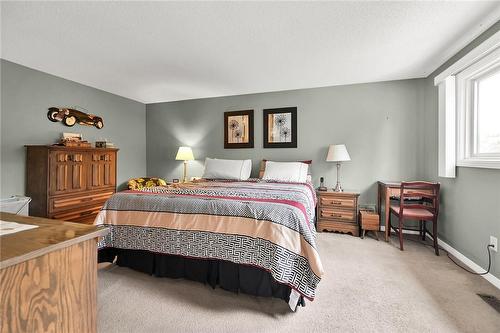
377,122
26,94
470,210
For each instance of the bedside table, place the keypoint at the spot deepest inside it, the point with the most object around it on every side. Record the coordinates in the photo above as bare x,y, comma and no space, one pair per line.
338,211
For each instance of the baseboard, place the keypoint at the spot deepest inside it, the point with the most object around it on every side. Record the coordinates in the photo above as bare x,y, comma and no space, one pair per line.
469,263
466,261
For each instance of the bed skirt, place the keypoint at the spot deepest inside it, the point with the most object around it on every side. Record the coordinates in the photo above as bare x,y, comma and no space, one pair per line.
227,275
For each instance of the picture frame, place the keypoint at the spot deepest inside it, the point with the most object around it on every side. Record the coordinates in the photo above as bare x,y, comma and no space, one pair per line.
280,127
238,129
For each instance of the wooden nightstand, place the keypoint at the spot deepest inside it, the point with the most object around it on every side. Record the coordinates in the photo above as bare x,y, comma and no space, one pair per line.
338,211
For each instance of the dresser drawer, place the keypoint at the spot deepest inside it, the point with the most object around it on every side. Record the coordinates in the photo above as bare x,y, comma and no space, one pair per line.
337,202
86,214
64,203
337,214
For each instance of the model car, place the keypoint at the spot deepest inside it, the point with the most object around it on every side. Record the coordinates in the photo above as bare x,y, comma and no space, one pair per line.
70,117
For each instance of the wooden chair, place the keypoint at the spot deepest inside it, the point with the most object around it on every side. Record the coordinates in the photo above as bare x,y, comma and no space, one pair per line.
422,210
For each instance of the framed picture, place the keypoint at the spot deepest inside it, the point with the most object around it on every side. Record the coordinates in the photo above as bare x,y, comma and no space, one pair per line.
238,129
280,128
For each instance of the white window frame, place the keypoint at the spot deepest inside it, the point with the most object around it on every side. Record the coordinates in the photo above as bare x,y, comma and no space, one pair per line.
456,135
467,142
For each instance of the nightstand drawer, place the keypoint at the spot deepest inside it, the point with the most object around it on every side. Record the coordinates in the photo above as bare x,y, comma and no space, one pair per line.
346,215
337,202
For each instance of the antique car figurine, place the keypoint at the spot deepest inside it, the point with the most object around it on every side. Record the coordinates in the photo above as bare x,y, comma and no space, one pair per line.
70,117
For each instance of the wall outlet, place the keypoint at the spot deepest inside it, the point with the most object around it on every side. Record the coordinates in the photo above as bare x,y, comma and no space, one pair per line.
494,242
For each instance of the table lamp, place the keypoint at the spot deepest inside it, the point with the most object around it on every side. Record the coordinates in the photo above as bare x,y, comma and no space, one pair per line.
337,153
184,154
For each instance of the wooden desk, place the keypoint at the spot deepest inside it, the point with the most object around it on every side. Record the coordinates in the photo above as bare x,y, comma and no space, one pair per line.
386,190
48,276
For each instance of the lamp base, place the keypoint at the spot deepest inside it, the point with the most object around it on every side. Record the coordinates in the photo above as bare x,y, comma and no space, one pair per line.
184,175
338,188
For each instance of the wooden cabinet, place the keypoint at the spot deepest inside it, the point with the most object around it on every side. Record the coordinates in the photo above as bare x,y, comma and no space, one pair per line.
69,183
67,172
102,170
49,277
338,211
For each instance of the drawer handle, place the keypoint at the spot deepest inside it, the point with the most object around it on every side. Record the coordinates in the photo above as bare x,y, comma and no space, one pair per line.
337,202
336,215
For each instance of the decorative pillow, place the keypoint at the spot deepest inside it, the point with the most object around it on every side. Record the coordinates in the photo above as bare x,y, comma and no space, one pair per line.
139,183
295,172
227,169
263,167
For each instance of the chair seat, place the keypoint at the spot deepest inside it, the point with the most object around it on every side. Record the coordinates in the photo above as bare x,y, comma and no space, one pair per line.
413,213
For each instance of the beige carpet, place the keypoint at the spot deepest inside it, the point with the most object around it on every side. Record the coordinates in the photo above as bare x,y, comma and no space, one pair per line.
368,286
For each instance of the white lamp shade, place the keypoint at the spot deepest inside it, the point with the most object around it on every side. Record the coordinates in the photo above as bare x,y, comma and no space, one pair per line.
337,153
184,154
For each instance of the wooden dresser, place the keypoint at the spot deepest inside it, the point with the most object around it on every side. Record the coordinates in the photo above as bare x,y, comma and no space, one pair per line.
338,211
49,277
69,183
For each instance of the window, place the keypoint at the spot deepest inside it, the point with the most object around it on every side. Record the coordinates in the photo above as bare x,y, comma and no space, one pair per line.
487,114
469,110
478,113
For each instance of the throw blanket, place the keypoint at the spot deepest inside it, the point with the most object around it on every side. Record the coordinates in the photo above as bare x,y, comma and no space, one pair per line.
263,224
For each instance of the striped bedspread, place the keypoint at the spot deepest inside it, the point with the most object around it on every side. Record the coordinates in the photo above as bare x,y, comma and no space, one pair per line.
267,225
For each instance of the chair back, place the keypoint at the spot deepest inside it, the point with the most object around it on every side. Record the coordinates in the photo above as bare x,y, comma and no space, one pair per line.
427,194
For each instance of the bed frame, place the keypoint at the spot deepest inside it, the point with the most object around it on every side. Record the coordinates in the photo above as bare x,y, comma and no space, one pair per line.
225,274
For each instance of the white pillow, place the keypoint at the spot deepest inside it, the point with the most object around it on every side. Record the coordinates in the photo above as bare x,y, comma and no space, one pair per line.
295,172
227,169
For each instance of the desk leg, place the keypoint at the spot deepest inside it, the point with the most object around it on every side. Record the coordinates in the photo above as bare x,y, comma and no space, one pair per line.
387,207
379,205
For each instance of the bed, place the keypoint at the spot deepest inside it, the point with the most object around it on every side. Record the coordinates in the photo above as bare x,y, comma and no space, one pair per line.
256,237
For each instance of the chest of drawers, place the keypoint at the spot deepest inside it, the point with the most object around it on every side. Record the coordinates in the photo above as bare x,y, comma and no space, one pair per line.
338,211
69,183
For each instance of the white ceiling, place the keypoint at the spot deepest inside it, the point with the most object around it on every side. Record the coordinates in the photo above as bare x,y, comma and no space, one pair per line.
158,51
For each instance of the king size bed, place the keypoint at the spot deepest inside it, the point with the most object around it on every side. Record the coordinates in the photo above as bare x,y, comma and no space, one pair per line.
256,237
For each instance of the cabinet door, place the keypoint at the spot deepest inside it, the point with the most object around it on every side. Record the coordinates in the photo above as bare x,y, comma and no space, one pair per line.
102,170
67,172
